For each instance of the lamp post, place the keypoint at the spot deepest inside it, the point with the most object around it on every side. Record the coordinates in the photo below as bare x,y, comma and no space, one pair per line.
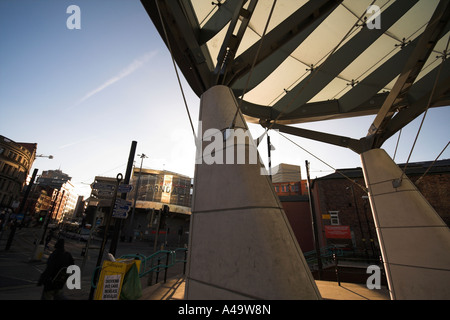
359,219
130,227
372,245
314,222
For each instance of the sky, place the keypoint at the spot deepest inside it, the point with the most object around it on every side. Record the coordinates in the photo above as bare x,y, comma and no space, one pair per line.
83,95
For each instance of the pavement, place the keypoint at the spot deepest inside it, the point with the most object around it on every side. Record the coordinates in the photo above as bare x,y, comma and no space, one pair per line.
19,273
174,289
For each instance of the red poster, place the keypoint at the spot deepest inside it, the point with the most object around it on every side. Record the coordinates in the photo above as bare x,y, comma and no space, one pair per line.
338,232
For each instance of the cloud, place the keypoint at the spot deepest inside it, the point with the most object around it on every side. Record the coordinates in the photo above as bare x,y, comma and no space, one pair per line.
90,138
132,67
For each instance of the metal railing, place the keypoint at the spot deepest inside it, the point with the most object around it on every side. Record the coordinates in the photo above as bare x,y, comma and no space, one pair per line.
347,264
326,253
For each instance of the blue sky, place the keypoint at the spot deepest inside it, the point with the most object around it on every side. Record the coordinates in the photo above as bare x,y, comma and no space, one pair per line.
84,95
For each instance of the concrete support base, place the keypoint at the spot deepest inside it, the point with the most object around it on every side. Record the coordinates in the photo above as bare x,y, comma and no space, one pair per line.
414,241
241,244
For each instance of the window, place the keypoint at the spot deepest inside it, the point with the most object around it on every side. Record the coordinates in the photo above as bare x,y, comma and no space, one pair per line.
334,217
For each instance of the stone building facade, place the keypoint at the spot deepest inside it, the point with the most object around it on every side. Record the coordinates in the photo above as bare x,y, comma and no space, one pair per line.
16,160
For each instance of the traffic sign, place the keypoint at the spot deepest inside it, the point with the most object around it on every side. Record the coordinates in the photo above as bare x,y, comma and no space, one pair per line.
121,208
103,186
124,188
120,203
102,193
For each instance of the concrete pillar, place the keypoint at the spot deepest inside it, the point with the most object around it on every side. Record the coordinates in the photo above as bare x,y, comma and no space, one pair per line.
415,242
241,245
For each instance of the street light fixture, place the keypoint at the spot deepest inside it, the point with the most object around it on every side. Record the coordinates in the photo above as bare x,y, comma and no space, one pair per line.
43,156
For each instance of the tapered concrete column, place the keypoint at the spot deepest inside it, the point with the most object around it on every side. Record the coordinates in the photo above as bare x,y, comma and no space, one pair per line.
241,245
415,242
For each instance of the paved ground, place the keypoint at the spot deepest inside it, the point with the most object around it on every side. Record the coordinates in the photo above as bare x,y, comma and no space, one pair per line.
174,290
19,273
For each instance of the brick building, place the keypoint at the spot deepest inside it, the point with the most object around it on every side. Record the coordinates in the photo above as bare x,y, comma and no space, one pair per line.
292,191
343,209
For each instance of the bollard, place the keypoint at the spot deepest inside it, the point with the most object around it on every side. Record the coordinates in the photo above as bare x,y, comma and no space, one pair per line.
38,252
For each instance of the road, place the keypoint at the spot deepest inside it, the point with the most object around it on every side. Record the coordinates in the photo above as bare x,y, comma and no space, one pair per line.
19,273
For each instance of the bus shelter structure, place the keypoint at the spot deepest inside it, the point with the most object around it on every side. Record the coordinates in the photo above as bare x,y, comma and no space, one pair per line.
283,63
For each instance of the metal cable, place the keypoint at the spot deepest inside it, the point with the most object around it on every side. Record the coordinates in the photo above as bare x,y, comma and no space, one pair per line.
426,109
233,123
418,180
176,71
337,171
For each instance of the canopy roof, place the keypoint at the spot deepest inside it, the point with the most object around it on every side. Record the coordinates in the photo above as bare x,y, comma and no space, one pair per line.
300,61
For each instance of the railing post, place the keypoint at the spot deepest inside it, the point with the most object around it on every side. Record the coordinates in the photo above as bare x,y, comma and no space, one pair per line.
150,275
157,270
336,268
185,261
383,274
166,266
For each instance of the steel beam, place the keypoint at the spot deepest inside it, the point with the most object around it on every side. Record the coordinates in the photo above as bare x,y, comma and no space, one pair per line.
279,36
357,146
232,41
407,115
315,111
218,20
339,60
413,66
193,59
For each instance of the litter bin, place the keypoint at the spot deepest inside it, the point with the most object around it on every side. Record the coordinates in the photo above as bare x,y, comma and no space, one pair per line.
113,276
38,252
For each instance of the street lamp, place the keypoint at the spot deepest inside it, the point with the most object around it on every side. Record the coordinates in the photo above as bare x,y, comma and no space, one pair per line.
130,227
42,156
357,215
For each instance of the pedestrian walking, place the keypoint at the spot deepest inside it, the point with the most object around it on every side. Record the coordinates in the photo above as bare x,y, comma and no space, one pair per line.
54,277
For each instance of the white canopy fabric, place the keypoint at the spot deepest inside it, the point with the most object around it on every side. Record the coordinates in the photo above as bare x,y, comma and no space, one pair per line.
294,61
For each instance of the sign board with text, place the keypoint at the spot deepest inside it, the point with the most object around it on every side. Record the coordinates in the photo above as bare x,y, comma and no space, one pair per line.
124,188
121,208
111,278
338,232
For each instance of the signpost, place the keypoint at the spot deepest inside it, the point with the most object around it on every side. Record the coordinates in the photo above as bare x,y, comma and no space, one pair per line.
121,208
105,235
118,222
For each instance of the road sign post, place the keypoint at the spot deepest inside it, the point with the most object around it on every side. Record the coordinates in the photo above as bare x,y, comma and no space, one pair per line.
105,236
118,224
